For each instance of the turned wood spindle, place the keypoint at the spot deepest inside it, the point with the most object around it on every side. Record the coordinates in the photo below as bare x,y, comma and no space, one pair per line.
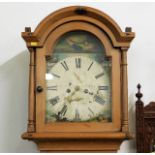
139,120
139,95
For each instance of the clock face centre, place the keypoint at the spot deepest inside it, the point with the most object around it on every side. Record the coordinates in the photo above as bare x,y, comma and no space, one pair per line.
77,88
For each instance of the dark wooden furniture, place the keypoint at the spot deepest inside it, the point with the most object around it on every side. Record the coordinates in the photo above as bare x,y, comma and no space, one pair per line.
145,125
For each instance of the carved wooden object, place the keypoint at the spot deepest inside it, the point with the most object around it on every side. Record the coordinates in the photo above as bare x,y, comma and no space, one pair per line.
145,124
79,137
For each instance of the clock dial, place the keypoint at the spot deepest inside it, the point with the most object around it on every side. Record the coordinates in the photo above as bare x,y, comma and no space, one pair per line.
78,85
78,94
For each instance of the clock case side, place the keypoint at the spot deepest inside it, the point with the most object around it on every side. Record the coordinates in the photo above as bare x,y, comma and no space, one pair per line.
36,40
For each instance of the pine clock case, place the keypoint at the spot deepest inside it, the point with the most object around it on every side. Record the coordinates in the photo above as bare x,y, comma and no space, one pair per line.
86,136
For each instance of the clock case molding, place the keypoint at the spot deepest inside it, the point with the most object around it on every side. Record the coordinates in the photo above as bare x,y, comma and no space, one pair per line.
85,137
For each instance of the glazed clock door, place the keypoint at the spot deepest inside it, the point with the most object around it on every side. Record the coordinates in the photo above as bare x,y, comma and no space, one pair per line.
79,80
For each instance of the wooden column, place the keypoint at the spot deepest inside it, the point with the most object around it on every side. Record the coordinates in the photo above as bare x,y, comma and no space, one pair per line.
31,108
139,121
124,89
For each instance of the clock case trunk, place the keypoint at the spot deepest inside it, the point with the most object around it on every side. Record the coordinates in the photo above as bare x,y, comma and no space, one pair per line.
79,137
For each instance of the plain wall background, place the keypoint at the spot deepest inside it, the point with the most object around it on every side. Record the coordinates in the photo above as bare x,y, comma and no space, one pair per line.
14,61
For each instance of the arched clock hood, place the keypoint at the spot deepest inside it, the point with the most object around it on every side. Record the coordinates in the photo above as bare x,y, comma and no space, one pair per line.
83,14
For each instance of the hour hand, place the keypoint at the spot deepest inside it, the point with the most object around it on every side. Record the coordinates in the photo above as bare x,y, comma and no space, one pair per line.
77,99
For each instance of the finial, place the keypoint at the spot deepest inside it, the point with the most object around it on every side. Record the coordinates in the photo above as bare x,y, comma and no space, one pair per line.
28,29
128,29
139,95
81,10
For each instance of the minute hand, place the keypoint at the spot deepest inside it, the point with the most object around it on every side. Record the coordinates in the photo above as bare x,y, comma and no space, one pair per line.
77,77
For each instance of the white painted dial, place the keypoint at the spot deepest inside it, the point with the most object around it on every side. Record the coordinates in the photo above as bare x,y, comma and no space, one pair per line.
77,90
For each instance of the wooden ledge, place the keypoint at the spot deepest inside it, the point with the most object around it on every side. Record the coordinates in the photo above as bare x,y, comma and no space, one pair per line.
77,141
59,135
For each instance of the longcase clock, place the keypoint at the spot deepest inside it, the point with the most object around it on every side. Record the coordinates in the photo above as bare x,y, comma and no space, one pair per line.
78,94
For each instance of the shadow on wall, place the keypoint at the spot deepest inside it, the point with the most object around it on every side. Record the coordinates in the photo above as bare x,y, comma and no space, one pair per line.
130,145
14,104
132,121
